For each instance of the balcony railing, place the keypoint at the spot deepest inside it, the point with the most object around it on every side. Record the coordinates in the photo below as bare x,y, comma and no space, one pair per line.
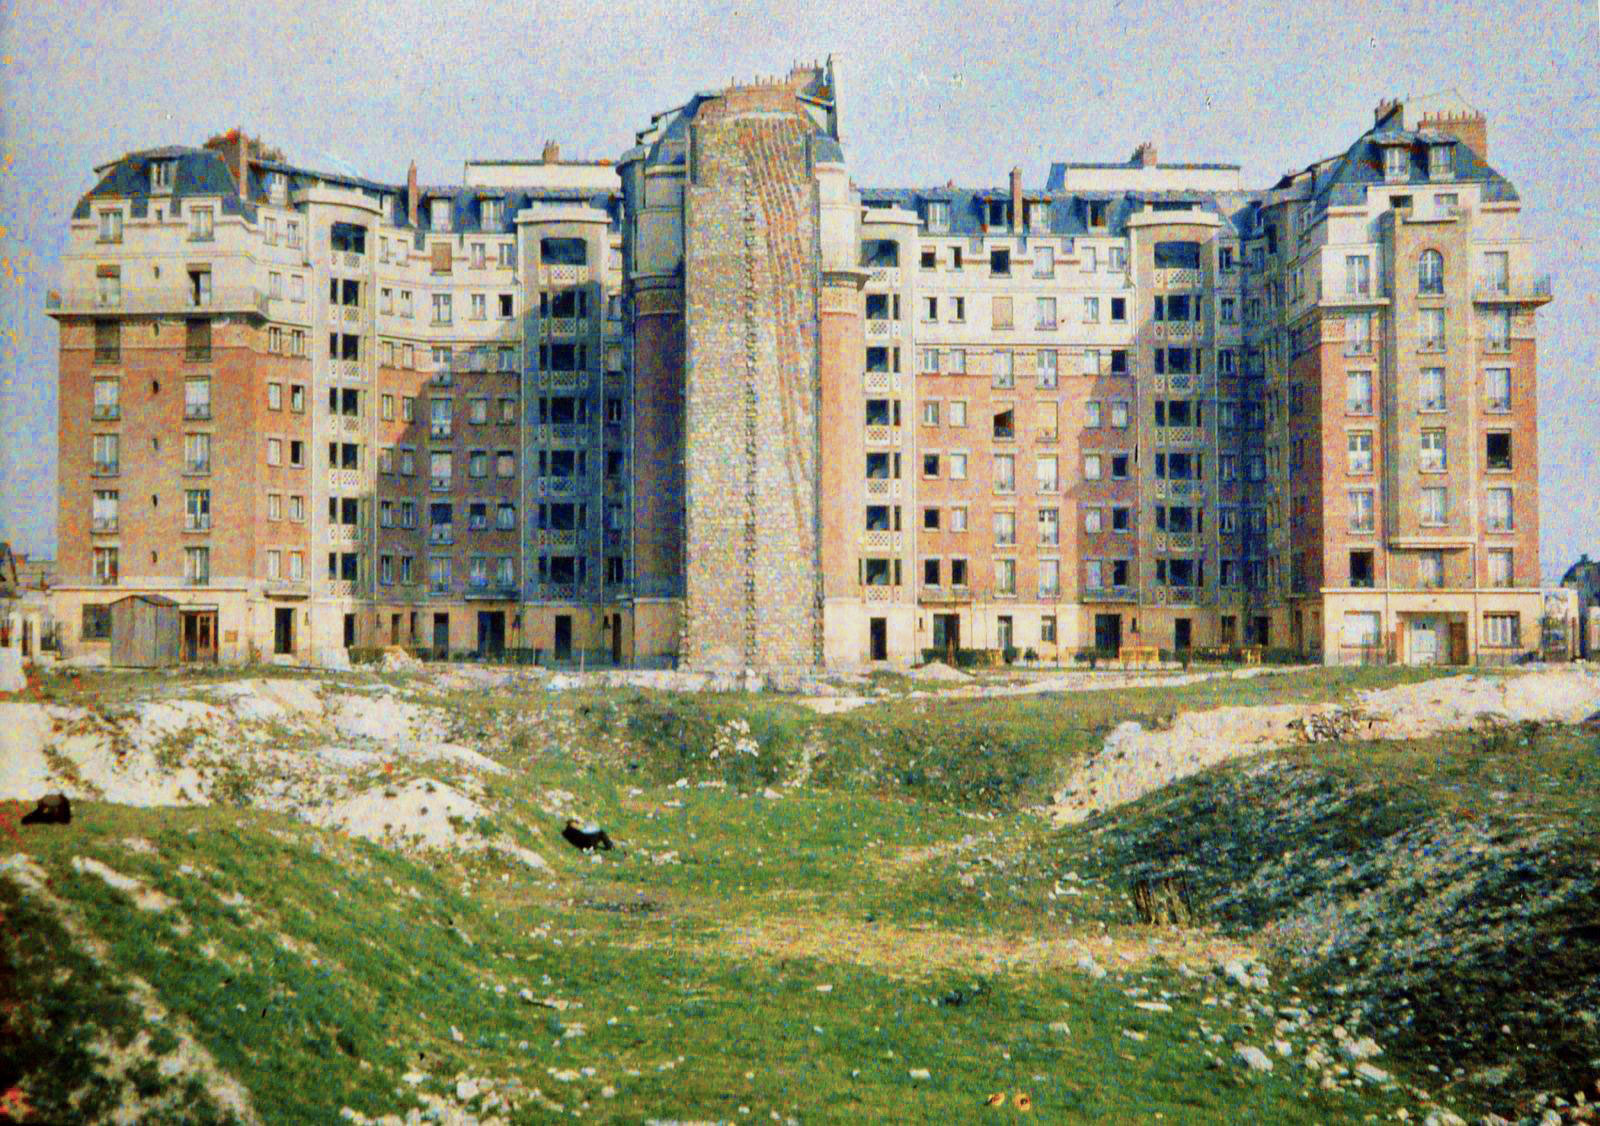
1513,290
104,524
196,523
197,353
108,355
158,299
103,413
197,410
106,469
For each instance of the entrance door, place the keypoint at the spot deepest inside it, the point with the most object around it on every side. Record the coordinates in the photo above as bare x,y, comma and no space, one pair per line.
563,637
616,639
1108,632
491,633
947,635
1263,630
349,631
394,629
878,629
199,636
1458,643
441,636
1182,634
283,630
1230,631
1423,637
1003,632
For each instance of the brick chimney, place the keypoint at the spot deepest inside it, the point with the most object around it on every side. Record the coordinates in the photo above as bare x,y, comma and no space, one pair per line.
1145,155
1016,198
234,149
1384,108
1470,128
551,154
413,198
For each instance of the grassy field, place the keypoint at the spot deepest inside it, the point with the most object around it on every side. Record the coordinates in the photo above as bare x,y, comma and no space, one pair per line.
808,955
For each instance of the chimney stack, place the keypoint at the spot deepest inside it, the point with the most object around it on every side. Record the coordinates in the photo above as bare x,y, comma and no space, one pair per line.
1016,198
1385,107
413,198
551,154
1470,128
1145,155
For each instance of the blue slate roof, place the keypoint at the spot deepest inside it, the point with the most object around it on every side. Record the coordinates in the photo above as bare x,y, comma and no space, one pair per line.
1344,181
1057,178
196,172
1069,211
203,172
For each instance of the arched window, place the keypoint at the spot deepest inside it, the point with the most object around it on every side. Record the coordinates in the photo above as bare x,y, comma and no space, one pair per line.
1430,272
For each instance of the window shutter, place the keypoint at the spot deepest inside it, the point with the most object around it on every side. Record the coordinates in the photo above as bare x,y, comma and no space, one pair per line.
441,257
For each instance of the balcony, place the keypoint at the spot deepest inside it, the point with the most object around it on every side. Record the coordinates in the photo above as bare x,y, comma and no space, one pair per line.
563,380
104,525
103,413
342,479
568,433
441,534
153,300
880,539
1176,330
560,326
343,534
883,436
882,487
193,411
556,592
1513,291
439,430
557,486
197,353
196,523
888,275
1180,436
439,484
883,329
1174,277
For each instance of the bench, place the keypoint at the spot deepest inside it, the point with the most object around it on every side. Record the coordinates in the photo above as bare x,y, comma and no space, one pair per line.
1133,655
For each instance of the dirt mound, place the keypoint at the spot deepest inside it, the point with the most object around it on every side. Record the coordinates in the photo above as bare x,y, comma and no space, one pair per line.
1135,761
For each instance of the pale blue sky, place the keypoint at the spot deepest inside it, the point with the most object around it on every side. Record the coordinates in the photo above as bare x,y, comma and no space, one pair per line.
929,93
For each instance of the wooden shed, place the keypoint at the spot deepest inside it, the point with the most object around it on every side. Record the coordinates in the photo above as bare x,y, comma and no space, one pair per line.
144,631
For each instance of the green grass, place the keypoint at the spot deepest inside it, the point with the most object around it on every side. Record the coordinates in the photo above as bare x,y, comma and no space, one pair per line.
908,867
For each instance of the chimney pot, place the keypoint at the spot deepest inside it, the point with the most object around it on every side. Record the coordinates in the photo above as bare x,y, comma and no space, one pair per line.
552,153
413,198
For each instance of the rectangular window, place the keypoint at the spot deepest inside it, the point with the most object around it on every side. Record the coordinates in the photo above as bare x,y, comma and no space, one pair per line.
958,519
1497,330
1361,510
1501,573
105,565
1045,314
1092,519
1005,375
1005,576
1049,578
958,467
1502,631
1431,451
1358,458
1119,414
1000,312
197,565
196,510
1091,467
1358,334
1430,330
1499,516
1091,414
1091,310
930,412
1362,629
1005,529
1497,389
1358,392
1430,570
1433,506
1005,473
197,397
1430,390
958,412
1044,262
200,224
197,453
1046,370
1497,449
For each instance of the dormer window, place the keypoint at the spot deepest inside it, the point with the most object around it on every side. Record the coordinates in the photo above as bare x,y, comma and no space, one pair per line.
489,209
161,175
937,212
1440,166
439,214
277,187
1396,162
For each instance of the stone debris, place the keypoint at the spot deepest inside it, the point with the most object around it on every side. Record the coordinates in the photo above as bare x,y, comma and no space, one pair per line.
1252,1057
145,898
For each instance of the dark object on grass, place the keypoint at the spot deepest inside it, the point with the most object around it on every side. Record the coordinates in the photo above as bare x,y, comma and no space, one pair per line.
1163,901
956,997
53,809
586,837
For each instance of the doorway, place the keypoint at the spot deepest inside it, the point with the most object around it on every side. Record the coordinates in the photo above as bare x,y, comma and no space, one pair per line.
1229,637
491,633
1422,641
1458,642
349,631
441,637
1182,634
1262,631
283,630
1003,632
394,629
878,632
947,635
563,637
616,639
1108,632
199,636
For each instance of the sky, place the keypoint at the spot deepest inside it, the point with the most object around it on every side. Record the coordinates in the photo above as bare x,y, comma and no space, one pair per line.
929,93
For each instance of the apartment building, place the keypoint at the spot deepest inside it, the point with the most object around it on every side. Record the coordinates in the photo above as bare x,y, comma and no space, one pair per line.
718,404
